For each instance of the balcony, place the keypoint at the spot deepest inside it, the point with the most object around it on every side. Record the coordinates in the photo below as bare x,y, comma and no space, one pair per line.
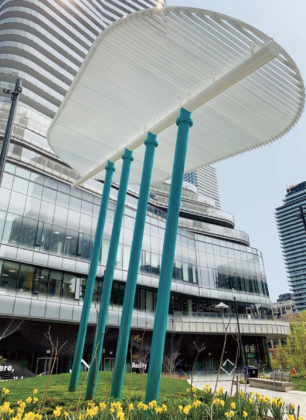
22,307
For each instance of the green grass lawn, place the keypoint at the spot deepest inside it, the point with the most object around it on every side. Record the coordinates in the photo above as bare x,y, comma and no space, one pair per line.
299,384
58,390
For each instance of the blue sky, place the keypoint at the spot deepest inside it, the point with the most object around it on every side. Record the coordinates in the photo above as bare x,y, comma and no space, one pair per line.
252,185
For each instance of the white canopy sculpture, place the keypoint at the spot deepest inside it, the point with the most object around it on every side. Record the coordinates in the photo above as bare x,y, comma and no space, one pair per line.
243,88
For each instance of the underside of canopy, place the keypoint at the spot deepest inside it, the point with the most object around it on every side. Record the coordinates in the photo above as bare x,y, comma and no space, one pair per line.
244,90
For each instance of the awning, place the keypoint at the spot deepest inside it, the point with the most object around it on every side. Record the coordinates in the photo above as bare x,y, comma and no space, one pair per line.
243,88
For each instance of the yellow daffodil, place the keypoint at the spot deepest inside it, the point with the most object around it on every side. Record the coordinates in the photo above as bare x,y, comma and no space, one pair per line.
35,391
251,400
111,411
28,400
244,414
187,409
57,412
66,414
221,390
158,410
196,404
180,408
194,389
164,407
131,407
35,400
102,406
233,406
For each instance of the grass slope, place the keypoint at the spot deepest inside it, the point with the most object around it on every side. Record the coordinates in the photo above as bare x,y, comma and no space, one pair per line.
58,390
299,384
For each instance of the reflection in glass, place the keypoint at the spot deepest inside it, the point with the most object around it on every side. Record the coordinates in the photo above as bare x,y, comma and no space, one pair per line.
25,281
12,229
9,276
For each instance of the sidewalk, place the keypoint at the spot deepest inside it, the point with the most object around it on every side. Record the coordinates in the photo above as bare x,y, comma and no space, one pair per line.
294,397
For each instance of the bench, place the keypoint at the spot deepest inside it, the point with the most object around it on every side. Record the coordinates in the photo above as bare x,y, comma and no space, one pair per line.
280,376
274,385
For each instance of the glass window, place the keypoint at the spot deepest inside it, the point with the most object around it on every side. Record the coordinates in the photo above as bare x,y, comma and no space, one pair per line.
126,257
32,208
178,270
55,284
62,199
60,216
23,173
9,276
46,212
69,287
114,294
41,284
105,248
20,185
155,264
85,223
145,262
185,271
71,243
121,291
129,222
25,281
28,233
86,247
49,195
149,301
96,210
73,221
75,204
7,180
154,244
12,229
87,208
17,203
46,237
2,222
38,179
35,190
119,259
57,240
154,231
5,198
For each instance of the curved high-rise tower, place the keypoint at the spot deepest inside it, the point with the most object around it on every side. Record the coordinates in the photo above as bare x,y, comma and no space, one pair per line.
47,229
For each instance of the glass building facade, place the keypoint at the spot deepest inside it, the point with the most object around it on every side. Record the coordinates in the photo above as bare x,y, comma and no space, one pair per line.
291,226
47,229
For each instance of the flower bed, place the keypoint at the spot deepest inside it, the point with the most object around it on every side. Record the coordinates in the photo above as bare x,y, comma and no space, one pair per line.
195,405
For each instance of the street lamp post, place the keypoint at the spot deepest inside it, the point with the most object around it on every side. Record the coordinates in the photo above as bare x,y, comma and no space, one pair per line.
10,122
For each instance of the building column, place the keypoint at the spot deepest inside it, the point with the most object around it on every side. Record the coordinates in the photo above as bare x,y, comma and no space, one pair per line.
95,255
184,123
130,289
108,276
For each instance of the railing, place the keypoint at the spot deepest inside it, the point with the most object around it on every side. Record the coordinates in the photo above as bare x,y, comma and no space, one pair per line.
226,316
196,208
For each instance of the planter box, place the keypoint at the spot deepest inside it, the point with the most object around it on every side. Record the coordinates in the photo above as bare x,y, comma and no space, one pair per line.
270,384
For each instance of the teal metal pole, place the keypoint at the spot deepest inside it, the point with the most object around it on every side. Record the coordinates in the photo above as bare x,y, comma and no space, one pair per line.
130,288
74,378
184,123
108,276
